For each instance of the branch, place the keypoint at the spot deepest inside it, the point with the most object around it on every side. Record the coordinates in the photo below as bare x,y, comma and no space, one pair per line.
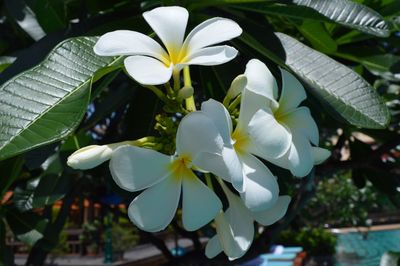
192,235
158,243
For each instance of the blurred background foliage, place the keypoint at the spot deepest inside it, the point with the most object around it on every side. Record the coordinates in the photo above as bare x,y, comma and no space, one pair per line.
39,193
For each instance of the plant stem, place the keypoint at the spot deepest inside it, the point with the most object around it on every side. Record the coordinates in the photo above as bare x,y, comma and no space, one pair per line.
208,181
170,91
177,82
141,141
190,104
157,92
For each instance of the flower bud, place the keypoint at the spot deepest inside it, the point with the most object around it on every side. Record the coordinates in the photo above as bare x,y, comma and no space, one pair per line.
237,87
185,92
90,156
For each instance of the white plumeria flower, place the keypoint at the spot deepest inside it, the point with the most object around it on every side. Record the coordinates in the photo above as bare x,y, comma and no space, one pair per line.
281,132
235,228
258,187
163,177
148,62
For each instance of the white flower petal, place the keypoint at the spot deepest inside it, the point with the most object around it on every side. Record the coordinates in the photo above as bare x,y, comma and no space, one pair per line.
235,231
227,166
261,81
154,209
213,247
197,133
320,155
169,23
217,112
262,189
211,31
237,223
301,121
300,157
210,56
147,70
273,214
134,168
199,204
270,138
250,103
126,42
293,92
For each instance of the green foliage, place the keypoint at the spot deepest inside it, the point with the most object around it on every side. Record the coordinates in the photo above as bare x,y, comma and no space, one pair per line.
339,202
91,234
336,85
73,98
123,237
350,14
60,87
315,241
27,226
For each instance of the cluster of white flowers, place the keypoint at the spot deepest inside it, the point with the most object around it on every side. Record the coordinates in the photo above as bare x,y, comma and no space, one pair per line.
273,128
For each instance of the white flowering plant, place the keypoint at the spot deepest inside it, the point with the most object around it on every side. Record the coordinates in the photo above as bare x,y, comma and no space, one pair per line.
194,121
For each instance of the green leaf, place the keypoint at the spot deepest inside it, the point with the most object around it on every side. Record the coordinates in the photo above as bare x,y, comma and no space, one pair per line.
6,61
45,104
386,65
353,36
50,189
10,171
290,11
51,14
53,185
28,227
336,85
316,33
350,14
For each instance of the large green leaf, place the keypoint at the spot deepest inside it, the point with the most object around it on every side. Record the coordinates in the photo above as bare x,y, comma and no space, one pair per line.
336,85
285,10
45,103
28,227
350,14
51,14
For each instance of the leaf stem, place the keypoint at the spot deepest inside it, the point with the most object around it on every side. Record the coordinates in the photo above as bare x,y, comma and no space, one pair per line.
76,142
157,92
170,91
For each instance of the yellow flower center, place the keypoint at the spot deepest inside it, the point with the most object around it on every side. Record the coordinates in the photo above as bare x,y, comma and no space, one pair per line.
176,55
241,141
181,166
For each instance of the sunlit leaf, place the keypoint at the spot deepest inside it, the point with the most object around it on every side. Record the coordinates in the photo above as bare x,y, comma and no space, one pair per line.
46,103
336,85
350,14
